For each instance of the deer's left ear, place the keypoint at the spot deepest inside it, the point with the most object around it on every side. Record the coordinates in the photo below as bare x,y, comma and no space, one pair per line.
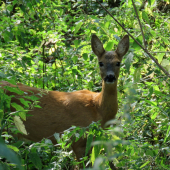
123,46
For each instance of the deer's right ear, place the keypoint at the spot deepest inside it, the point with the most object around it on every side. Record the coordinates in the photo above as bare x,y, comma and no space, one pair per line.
97,46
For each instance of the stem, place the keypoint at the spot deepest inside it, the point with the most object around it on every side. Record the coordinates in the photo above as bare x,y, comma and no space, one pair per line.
43,53
139,24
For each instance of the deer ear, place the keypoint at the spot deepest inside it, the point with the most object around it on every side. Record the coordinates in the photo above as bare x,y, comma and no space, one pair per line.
97,46
123,46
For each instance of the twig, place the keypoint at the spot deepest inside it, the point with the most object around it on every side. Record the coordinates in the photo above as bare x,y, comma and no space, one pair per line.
145,50
159,51
139,24
43,53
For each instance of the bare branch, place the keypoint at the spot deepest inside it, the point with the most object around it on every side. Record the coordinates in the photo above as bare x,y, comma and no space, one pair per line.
139,24
159,51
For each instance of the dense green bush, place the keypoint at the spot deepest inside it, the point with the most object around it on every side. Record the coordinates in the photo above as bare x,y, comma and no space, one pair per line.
46,44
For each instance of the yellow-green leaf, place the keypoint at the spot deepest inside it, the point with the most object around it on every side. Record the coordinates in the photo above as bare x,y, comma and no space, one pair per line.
109,46
14,148
19,124
144,164
78,26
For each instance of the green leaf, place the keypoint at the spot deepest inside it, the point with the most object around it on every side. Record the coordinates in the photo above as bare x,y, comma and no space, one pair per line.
15,90
159,56
165,40
106,25
135,45
19,124
22,7
21,110
75,58
150,102
74,71
78,26
149,152
98,162
144,164
85,56
57,137
168,68
165,62
9,154
36,160
167,134
145,17
151,2
76,43
137,75
93,156
48,141
109,46
24,102
163,165
97,148
1,115
14,148
33,97
2,75
153,33
4,166
61,11
128,61
38,106
150,91
88,144
91,57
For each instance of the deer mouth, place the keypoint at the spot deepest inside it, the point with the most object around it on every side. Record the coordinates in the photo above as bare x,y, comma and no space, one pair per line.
110,79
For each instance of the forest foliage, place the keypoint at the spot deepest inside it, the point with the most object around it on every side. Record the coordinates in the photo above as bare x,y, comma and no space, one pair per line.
46,44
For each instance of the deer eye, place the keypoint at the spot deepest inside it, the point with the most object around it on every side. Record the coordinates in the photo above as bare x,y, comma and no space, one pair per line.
118,64
101,64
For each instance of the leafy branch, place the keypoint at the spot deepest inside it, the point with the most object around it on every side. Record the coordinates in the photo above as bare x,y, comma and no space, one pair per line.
144,48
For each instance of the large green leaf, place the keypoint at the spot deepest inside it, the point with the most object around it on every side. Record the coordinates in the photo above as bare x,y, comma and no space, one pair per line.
137,74
88,144
145,17
159,56
9,154
109,46
151,2
85,56
78,26
135,45
35,158
15,90
20,109
128,61
2,75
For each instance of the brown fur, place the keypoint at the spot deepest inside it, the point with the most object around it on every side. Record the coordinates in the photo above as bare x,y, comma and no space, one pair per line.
60,110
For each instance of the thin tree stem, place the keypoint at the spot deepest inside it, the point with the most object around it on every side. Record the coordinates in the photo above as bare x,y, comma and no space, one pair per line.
139,24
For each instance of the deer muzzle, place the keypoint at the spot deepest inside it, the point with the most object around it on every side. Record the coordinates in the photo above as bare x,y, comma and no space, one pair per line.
110,78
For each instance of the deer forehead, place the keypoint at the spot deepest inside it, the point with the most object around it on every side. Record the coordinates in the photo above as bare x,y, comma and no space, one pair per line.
110,56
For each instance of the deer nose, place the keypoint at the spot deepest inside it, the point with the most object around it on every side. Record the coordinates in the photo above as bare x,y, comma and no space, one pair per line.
110,78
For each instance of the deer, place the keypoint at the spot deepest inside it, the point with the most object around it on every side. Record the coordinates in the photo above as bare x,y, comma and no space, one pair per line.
61,110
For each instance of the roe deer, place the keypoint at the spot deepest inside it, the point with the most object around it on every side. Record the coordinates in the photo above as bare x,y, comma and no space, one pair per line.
60,110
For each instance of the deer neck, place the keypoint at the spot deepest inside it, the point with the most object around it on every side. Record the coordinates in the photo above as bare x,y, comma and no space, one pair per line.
108,102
